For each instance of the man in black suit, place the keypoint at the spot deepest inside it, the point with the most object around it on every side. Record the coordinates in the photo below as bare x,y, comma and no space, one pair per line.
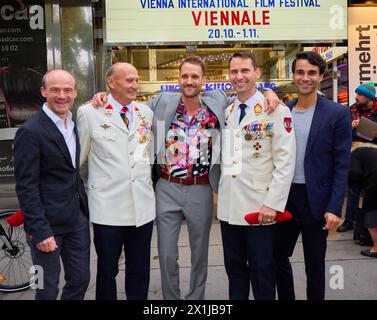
51,193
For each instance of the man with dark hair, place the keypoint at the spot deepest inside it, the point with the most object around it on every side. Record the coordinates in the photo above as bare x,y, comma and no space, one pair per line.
323,136
313,58
51,193
258,155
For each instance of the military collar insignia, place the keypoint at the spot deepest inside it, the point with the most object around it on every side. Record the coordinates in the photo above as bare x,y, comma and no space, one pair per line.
109,110
258,109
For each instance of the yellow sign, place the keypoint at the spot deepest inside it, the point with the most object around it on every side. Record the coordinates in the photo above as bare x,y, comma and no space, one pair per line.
176,21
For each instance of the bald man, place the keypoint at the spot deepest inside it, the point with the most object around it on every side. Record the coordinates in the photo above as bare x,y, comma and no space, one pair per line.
51,193
116,150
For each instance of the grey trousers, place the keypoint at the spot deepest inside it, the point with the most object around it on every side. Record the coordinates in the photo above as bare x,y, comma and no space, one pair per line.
193,203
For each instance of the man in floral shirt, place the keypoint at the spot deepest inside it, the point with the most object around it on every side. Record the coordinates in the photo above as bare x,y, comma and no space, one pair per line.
188,139
187,147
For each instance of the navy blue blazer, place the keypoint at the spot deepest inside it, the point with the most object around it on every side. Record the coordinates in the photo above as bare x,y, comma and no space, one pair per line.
327,157
49,188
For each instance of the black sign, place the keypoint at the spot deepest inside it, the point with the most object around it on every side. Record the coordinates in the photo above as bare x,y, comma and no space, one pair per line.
23,59
6,161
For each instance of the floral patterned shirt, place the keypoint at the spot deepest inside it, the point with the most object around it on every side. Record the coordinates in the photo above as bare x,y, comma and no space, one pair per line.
188,143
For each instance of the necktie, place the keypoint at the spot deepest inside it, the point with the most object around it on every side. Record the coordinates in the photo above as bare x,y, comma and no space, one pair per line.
123,115
243,112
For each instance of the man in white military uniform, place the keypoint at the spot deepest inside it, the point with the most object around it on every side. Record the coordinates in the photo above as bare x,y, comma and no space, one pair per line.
258,160
116,147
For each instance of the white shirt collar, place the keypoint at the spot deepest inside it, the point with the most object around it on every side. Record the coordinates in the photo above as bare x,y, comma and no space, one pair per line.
252,100
117,106
55,119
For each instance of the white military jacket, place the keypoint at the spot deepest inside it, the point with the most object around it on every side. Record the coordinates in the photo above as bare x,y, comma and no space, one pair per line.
116,164
258,161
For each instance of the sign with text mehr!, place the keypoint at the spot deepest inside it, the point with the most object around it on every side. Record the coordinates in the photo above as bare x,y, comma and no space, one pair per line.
362,48
175,21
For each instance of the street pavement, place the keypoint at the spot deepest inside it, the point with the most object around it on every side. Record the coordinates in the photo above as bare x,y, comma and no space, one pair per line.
349,275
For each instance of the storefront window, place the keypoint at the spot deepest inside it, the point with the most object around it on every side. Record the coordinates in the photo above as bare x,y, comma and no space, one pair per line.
159,67
140,59
342,75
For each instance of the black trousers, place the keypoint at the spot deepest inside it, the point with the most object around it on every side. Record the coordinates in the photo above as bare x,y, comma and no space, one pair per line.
109,241
249,258
314,241
74,251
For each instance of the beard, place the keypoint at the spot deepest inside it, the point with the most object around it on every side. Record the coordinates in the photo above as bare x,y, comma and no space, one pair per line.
364,106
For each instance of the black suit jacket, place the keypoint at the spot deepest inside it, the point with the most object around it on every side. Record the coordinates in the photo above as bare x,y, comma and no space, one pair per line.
49,188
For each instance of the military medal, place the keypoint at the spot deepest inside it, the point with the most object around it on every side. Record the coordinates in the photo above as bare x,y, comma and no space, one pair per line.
257,146
144,123
147,151
142,139
249,132
267,128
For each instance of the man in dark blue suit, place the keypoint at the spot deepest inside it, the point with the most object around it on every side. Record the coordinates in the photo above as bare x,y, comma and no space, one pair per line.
51,193
323,137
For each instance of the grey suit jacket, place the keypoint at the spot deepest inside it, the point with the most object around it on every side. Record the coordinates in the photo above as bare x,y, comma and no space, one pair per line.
165,106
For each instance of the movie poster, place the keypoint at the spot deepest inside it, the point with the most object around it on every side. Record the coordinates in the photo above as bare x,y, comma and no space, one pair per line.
23,59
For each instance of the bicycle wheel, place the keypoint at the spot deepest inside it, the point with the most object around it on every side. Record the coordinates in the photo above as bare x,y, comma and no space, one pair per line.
15,262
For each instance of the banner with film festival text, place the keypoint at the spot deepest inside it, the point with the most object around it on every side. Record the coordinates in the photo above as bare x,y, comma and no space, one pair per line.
175,21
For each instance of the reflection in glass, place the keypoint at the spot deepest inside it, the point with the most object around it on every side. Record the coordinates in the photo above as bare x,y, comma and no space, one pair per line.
77,47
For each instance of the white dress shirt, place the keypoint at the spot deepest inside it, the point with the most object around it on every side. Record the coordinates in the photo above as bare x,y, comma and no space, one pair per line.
118,107
249,102
68,134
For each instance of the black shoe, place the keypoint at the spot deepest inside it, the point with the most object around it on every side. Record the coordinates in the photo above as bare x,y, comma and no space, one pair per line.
366,241
368,253
346,226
